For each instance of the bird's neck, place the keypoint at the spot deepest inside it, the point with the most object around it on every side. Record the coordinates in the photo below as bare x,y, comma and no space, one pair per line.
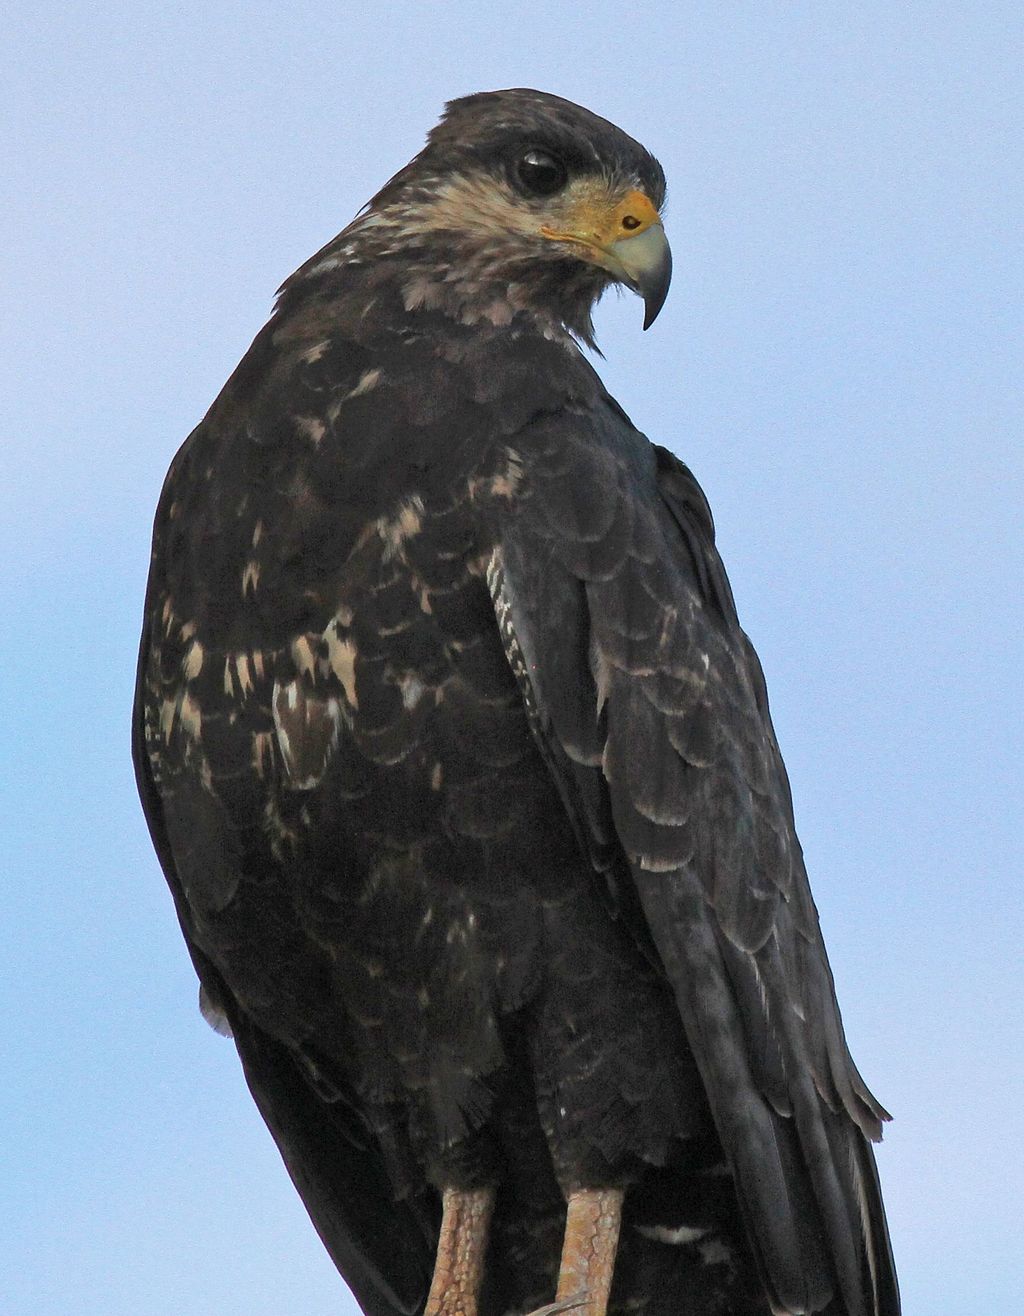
468,282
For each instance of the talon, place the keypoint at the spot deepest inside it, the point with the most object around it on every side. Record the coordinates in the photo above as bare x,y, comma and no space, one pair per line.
566,1304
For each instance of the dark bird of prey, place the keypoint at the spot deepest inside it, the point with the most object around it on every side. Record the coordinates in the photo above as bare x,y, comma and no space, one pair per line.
460,770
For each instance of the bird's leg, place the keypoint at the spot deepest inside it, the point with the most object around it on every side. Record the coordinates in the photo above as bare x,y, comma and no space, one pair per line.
588,1253
459,1267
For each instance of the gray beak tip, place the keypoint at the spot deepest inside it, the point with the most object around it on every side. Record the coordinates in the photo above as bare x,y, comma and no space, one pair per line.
645,263
654,289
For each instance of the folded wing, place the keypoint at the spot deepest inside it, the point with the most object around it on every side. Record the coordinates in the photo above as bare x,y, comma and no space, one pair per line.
650,707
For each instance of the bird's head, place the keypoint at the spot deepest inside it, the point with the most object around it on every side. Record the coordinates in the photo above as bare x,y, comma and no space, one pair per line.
521,202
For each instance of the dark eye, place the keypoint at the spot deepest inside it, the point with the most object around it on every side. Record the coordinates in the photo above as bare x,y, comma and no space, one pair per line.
540,173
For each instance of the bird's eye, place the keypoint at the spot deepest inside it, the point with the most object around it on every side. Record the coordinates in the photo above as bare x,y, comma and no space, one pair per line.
540,173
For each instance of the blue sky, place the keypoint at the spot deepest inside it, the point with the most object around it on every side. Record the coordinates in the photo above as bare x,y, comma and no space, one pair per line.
840,363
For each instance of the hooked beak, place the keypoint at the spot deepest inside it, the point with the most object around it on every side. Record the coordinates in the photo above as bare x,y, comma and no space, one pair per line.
646,264
628,240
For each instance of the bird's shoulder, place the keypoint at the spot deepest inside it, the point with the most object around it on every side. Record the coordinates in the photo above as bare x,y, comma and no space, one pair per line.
320,418
344,488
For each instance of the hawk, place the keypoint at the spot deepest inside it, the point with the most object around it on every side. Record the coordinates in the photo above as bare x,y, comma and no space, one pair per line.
461,772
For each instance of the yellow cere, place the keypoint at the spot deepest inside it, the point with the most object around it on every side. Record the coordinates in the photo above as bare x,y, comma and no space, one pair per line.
595,225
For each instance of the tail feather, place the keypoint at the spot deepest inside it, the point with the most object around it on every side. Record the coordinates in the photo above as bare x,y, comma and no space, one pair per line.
806,1182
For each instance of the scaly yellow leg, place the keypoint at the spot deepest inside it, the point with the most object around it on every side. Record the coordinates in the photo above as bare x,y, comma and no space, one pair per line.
459,1267
588,1253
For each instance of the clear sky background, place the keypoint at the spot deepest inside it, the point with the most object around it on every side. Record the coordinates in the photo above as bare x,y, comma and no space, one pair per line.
839,361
